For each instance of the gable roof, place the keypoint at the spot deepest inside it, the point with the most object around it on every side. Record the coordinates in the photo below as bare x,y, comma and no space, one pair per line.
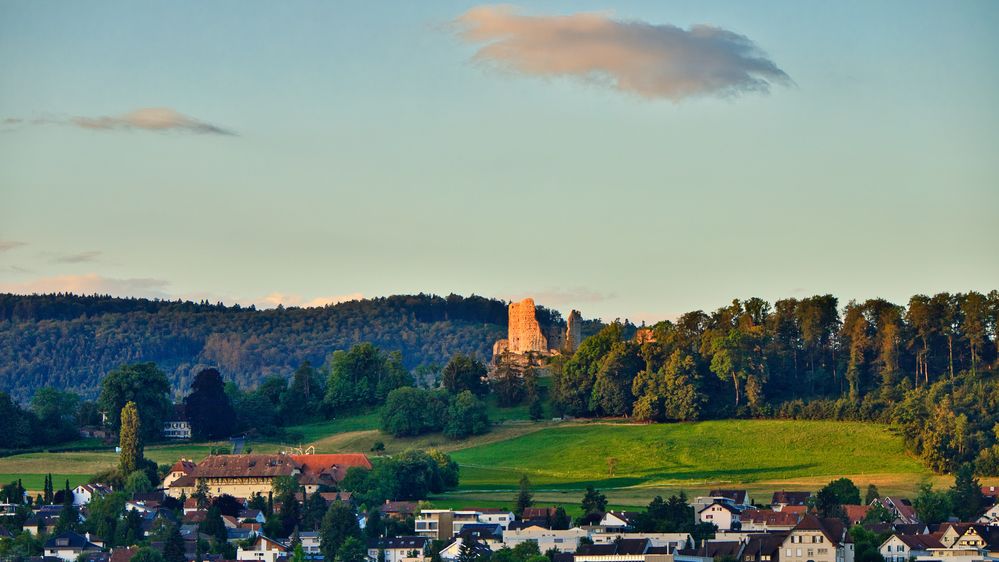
333,465
714,549
856,513
724,505
260,466
186,466
920,542
832,528
737,496
770,517
538,512
790,498
69,540
763,544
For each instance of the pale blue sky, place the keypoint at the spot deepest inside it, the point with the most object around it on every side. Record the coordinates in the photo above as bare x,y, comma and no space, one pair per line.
371,156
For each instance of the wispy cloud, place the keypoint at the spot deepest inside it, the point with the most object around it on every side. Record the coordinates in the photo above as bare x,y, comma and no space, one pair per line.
651,60
144,119
8,245
89,284
274,299
79,257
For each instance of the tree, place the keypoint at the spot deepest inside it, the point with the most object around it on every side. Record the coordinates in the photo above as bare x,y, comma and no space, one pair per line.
966,495
931,506
147,554
594,501
524,498
413,411
208,408
872,494
173,548
536,410
612,394
146,386
352,550
338,525
561,521
130,440
464,372
56,411
467,551
845,491
138,483
466,416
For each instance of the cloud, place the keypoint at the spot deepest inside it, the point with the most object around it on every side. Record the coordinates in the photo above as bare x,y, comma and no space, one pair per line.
89,284
144,119
80,257
274,299
655,61
7,245
151,119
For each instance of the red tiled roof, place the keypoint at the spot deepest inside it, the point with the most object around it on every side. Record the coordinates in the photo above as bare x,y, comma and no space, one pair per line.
183,465
221,466
856,513
336,465
920,542
769,517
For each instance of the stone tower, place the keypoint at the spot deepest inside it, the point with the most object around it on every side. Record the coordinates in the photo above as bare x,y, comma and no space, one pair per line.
573,331
524,331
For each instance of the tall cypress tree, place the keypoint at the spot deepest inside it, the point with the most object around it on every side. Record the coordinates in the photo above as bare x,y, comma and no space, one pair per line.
130,440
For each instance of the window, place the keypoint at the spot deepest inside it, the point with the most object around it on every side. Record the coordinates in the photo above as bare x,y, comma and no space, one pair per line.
788,551
798,553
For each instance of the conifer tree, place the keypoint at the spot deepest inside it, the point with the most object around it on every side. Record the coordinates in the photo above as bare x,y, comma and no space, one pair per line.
130,440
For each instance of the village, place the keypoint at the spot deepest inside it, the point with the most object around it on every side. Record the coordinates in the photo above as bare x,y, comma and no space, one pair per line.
220,508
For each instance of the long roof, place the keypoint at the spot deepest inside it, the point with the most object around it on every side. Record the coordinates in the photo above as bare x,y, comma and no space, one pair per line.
222,466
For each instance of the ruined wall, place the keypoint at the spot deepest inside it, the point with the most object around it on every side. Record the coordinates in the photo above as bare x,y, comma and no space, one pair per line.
573,331
524,331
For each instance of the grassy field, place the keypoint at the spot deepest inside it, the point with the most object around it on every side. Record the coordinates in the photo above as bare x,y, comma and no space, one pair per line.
687,455
631,463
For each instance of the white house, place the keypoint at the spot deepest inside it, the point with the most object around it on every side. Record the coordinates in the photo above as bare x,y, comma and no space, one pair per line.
399,549
990,517
817,540
68,546
310,543
673,541
547,539
902,548
263,549
83,493
497,517
723,514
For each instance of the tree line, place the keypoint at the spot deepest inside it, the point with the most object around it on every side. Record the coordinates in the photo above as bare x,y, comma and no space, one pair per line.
928,367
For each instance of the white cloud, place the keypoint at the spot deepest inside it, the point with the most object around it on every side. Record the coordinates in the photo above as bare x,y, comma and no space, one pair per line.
89,284
650,60
7,245
79,257
143,119
272,300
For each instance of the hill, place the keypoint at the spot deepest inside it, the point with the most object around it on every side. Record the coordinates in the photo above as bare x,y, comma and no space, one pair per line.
70,342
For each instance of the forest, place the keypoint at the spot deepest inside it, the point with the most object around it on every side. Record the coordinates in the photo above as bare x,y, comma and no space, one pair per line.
70,342
928,368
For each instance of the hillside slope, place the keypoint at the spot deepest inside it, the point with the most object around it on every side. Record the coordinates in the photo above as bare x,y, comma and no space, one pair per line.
70,342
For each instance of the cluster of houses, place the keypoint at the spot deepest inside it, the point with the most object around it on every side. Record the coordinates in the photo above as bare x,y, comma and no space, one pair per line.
786,530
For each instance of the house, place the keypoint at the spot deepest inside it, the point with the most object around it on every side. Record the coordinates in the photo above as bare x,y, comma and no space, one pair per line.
991,516
176,425
123,554
722,514
618,520
243,476
236,475
546,539
443,524
855,513
263,549
399,549
494,516
83,493
739,498
768,520
817,540
902,548
710,551
254,515
181,468
68,546
762,547
624,550
453,550
399,510
901,508
489,534
39,523
310,544
964,542
673,541
536,513
784,499
327,470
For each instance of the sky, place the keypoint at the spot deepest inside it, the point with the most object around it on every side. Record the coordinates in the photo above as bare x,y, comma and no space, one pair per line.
628,159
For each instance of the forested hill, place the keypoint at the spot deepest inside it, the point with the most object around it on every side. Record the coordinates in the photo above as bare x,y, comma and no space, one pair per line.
70,341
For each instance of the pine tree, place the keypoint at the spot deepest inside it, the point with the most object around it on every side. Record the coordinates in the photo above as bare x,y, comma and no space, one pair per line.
130,440
524,498
173,549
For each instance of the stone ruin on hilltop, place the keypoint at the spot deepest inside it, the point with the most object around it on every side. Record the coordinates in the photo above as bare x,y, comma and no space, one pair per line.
527,343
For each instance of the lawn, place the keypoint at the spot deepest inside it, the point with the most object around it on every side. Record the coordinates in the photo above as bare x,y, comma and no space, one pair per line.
686,455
